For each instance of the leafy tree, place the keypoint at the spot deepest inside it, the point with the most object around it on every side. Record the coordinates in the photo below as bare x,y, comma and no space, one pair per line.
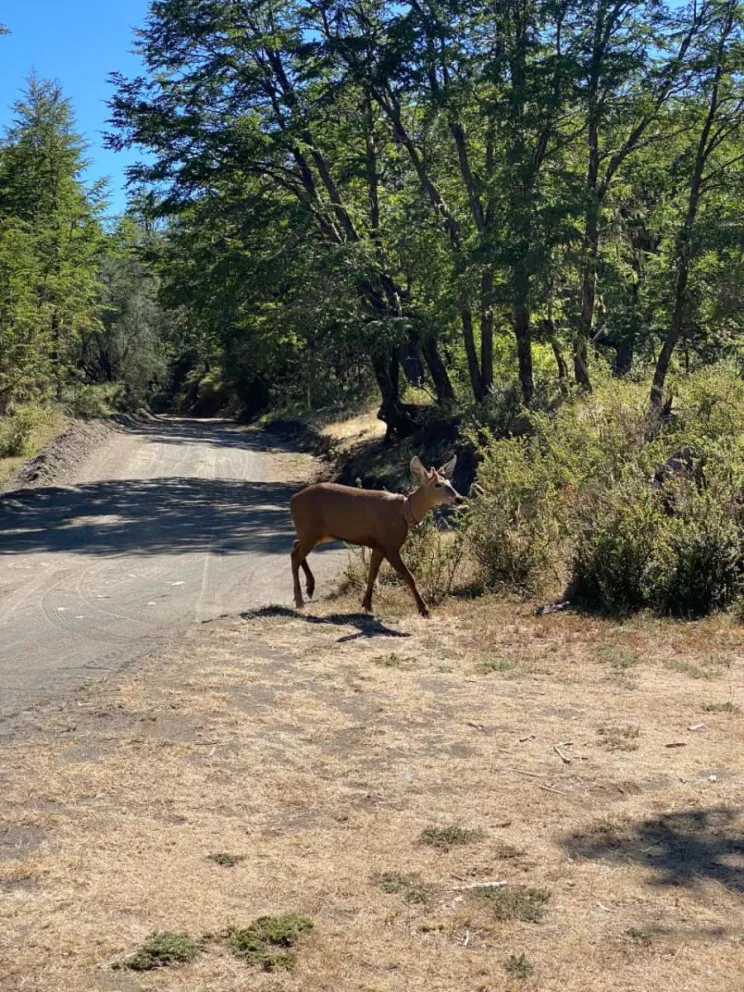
50,288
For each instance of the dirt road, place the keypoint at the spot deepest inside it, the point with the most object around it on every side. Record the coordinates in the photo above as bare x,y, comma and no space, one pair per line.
171,523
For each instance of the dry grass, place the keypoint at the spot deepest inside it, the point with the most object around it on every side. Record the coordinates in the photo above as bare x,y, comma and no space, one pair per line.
350,431
291,743
48,426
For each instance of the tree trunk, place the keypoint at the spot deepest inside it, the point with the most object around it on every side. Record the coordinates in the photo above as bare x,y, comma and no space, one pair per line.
476,382
392,411
487,331
56,356
522,333
560,361
437,370
589,273
673,333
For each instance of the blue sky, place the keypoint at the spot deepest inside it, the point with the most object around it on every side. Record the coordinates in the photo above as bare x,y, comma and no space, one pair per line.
78,43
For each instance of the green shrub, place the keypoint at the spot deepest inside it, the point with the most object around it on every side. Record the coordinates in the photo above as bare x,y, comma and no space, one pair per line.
17,432
619,549
514,521
433,553
574,498
706,570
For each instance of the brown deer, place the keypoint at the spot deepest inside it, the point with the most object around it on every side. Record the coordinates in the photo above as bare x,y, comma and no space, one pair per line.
371,518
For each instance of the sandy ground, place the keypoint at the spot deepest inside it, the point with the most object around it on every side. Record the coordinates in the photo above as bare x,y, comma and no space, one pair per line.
593,767
163,524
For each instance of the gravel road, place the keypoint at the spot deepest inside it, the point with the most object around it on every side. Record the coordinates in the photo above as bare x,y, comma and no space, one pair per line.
166,524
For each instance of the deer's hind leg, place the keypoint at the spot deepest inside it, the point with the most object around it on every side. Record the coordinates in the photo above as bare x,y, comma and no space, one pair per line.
309,578
374,568
300,551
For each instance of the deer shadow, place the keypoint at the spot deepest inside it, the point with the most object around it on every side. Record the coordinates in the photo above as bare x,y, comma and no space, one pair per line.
366,625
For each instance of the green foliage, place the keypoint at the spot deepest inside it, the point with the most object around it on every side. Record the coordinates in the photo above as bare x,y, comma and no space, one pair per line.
518,966
269,942
17,432
513,526
161,950
446,838
514,902
616,560
576,498
409,886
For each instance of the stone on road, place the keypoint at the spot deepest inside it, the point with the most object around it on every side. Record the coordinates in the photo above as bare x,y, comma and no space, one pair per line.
170,523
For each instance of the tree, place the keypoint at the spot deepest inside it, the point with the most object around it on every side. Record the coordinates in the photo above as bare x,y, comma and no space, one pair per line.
45,203
717,108
236,96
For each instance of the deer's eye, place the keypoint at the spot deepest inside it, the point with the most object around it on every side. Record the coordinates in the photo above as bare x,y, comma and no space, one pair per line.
437,485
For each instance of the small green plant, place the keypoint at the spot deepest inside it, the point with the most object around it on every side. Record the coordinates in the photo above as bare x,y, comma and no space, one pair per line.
619,738
269,942
410,887
640,937
508,852
727,707
226,860
704,666
448,837
519,966
434,554
494,665
161,950
514,903
388,661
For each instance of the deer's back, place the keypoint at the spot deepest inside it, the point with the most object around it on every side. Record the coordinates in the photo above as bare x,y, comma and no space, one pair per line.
327,511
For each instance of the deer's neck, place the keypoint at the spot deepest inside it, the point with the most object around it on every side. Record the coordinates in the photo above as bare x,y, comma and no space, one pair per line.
418,504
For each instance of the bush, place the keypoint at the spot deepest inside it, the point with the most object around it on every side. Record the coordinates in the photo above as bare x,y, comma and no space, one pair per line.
618,551
514,521
576,498
17,432
706,570
433,554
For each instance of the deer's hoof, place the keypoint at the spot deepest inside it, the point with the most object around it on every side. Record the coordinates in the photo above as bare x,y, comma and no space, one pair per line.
425,614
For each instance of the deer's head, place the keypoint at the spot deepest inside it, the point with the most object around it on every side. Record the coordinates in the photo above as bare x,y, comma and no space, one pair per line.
435,488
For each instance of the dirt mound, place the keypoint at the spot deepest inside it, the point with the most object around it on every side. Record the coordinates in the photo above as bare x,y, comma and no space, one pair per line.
59,461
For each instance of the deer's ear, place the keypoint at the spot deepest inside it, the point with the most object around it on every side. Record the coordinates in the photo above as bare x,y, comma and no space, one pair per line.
418,471
447,470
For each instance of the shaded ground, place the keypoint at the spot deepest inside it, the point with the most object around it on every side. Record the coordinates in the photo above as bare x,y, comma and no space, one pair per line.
595,772
165,522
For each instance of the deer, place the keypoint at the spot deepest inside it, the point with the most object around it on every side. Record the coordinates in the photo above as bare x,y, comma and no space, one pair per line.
369,518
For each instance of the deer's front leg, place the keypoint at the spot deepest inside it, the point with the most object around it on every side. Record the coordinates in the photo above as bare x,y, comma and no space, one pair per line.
400,567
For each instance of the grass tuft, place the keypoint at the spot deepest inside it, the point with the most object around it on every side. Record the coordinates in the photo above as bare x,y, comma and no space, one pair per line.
523,904
409,887
640,937
161,950
518,966
494,665
269,942
619,738
447,837
226,860
727,707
